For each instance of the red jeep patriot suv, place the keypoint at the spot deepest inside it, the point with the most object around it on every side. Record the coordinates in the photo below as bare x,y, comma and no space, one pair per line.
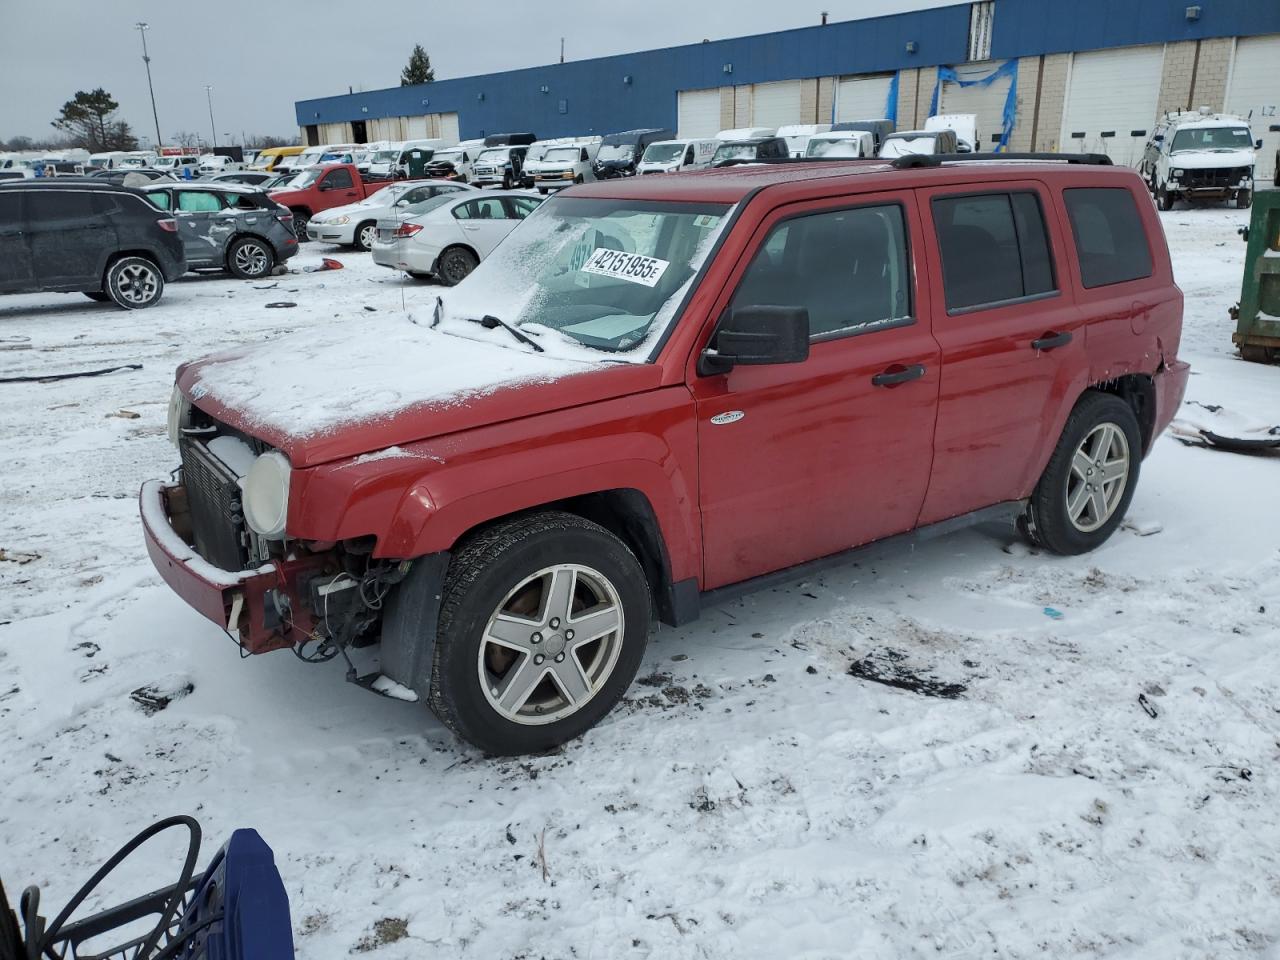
660,387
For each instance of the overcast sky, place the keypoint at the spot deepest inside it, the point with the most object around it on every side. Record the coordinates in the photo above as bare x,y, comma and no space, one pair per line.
261,56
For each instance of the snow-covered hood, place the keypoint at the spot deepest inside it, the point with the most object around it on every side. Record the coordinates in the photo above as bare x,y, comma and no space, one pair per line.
379,382
1209,159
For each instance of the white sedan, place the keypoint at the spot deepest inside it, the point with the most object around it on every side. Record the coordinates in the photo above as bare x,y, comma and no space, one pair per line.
355,224
447,236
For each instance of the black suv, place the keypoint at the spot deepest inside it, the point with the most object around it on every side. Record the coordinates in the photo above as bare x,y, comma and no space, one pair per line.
100,239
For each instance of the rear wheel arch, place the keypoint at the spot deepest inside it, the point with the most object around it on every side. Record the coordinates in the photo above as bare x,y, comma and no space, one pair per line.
1138,390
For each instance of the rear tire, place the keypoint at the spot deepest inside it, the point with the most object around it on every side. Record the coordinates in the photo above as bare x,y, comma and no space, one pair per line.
250,258
134,283
366,233
300,220
1089,481
533,580
455,265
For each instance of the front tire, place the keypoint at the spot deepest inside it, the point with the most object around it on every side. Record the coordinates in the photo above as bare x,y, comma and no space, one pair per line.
250,258
1244,199
543,624
1086,488
1164,199
300,220
455,265
134,283
366,233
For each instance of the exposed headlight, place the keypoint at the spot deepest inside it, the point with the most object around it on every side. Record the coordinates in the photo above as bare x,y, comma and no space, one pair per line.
266,495
338,220
178,411
1175,174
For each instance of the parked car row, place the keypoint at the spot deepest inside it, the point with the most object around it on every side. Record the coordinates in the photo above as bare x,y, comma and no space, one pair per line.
123,244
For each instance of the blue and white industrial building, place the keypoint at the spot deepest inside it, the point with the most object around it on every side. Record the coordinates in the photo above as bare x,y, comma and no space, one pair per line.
1040,75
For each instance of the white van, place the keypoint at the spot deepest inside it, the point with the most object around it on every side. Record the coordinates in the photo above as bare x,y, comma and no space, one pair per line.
671,156
965,126
108,160
746,133
538,149
846,144
565,164
797,135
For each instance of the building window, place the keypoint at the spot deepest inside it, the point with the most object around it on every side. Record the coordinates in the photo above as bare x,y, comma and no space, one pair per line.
981,16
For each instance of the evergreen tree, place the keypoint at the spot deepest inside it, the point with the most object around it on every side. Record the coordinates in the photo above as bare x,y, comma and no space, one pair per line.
89,119
419,68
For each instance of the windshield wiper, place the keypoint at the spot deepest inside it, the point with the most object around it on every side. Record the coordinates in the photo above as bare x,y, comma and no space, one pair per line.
489,321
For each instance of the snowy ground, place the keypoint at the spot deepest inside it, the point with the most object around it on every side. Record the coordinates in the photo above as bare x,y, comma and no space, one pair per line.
752,797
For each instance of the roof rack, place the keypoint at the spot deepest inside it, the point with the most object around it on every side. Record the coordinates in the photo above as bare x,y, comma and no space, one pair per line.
937,159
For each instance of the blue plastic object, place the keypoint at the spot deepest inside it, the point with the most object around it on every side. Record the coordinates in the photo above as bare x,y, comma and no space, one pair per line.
240,910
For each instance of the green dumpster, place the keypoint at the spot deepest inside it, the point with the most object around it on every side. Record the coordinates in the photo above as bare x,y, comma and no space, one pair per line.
1258,314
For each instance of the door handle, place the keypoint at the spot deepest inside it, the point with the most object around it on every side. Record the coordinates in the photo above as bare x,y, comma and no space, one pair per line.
469,226
1051,341
892,377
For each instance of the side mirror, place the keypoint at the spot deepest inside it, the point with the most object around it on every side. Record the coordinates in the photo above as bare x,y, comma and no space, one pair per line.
1158,138
756,335
1257,144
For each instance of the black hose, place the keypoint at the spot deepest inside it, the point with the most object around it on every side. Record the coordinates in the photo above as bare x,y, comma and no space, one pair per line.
167,915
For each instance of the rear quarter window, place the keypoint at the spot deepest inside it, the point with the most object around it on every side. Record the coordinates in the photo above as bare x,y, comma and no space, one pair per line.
1111,243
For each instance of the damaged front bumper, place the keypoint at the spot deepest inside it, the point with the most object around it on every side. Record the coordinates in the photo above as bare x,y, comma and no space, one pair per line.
264,608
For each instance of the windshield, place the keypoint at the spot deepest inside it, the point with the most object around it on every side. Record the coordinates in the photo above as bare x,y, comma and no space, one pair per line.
735,151
562,155
1212,138
663,152
304,179
842,147
496,155
593,273
385,156
901,146
616,151
448,156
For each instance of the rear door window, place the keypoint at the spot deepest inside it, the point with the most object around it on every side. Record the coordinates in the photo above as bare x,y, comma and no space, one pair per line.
994,249
198,201
44,206
521,207
1110,241
160,198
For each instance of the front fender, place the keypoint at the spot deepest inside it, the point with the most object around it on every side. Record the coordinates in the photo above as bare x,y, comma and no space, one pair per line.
421,498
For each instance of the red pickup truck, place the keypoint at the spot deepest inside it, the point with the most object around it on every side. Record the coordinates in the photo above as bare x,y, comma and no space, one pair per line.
321,188
660,389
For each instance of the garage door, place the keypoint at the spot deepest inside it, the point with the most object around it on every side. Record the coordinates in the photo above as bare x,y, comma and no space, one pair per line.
443,126
987,102
775,104
699,113
415,128
335,133
1112,90
1255,86
862,98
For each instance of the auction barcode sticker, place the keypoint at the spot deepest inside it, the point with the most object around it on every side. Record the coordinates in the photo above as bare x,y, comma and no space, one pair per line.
626,266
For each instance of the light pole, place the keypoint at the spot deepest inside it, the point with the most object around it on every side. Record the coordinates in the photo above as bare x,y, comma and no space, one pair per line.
142,28
208,92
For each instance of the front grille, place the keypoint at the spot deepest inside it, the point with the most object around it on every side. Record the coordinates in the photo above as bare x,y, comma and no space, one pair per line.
1212,177
217,520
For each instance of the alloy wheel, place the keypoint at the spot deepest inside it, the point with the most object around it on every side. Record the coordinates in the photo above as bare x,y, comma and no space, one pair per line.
551,645
1099,474
251,259
137,283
